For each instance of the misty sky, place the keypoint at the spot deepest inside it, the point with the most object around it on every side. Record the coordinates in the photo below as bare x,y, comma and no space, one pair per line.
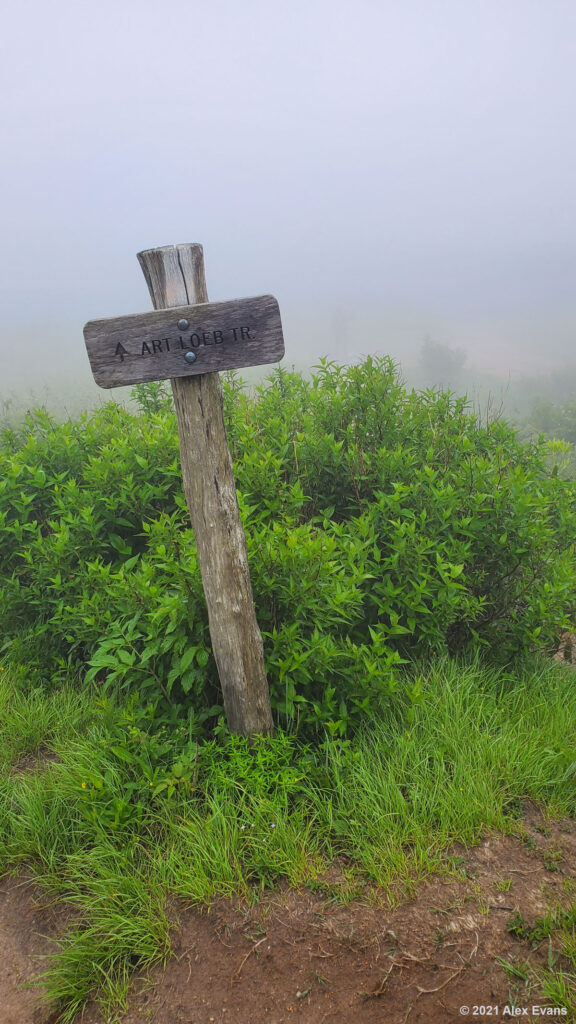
391,171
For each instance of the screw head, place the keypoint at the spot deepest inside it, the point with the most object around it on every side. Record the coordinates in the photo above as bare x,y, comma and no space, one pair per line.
183,325
190,357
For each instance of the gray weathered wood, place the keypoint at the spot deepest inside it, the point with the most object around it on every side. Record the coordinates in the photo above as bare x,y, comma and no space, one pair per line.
152,346
175,276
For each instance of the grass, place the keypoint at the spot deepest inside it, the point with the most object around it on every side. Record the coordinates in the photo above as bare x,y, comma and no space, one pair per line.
558,983
125,927
554,984
30,721
116,815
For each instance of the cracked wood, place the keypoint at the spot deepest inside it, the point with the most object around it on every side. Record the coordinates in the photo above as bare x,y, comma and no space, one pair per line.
175,277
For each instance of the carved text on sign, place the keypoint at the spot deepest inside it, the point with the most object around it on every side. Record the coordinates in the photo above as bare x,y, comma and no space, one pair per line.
159,346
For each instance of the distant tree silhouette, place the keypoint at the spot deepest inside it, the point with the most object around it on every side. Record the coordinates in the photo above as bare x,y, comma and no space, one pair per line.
441,365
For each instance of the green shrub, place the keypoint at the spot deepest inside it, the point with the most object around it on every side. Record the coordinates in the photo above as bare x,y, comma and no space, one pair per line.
382,526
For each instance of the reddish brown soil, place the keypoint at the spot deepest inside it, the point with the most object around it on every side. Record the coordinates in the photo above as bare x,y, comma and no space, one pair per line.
295,957
32,763
29,930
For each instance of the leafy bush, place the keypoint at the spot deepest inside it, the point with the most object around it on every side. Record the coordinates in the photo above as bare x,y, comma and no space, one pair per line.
382,526
556,424
554,420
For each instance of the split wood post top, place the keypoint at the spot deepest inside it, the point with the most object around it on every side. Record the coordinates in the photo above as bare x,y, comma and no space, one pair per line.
175,277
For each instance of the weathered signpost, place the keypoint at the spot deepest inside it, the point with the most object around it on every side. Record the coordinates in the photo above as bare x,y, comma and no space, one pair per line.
188,340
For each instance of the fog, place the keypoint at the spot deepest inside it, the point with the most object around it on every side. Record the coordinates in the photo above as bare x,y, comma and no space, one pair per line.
393,173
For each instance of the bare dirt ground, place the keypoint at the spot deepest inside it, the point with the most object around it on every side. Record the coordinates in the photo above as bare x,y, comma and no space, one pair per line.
294,956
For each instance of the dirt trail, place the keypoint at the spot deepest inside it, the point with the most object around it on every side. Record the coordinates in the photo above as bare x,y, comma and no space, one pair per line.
29,931
293,956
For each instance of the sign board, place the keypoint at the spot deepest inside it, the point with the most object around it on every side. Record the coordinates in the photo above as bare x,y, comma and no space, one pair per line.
184,341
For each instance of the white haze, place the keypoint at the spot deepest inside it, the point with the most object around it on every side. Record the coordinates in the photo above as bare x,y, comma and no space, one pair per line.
390,171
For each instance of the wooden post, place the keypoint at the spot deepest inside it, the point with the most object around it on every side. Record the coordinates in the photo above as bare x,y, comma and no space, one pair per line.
175,277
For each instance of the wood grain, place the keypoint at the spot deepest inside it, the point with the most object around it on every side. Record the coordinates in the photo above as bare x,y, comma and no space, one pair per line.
175,275
151,346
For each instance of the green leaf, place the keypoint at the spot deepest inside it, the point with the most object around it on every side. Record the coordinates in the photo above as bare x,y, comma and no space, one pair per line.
187,659
123,754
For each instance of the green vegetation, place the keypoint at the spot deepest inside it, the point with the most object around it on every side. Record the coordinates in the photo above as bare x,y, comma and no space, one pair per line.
383,527
557,981
408,565
127,814
556,423
553,420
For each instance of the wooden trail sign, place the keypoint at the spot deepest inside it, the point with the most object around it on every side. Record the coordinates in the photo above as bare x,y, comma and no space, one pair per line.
175,278
197,339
